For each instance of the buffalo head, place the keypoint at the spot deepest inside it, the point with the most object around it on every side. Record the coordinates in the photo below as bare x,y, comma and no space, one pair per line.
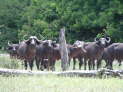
32,41
79,44
47,43
102,41
54,44
12,48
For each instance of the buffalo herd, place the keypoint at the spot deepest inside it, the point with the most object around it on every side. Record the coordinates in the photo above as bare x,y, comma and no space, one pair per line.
45,53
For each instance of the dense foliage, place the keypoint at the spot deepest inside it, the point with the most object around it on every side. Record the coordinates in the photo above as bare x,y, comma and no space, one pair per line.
83,19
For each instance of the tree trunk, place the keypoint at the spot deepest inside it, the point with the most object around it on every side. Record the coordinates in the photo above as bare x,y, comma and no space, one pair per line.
103,73
63,50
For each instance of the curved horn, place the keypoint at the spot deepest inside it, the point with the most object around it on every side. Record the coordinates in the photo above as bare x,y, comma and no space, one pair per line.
9,43
24,37
108,39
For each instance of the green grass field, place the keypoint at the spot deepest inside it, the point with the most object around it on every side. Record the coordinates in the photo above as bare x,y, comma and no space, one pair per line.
52,83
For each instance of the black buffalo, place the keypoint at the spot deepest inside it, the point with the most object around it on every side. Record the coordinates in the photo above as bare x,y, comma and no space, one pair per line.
27,51
94,51
111,53
12,50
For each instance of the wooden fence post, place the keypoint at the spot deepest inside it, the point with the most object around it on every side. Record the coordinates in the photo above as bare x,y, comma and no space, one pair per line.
63,50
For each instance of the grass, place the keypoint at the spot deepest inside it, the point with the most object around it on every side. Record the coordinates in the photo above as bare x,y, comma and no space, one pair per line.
2,51
59,84
52,83
6,62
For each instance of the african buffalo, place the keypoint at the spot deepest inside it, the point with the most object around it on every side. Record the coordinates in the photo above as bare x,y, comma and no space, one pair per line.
48,53
27,50
94,51
44,54
12,50
113,52
81,51
73,51
80,59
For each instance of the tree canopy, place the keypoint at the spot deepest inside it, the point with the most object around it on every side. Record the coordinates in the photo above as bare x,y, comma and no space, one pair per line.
83,19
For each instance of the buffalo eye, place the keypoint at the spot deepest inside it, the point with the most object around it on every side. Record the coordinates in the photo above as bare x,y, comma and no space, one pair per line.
37,42
9,48
28,42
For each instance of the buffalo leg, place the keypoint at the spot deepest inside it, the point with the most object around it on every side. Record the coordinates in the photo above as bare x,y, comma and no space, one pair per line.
37,64
93,64
48,65
42,65
54,62
109,66
90,64
80,63
98,64
53,65
74,63
69,61
31,64
106,61
85,64
25,64
119,61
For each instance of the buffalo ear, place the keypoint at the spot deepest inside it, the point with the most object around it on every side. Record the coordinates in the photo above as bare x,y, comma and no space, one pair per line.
54,43
96,39
38,42
27,42
9,48
108,39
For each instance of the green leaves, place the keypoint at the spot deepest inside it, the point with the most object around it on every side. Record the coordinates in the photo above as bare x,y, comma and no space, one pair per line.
83,19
